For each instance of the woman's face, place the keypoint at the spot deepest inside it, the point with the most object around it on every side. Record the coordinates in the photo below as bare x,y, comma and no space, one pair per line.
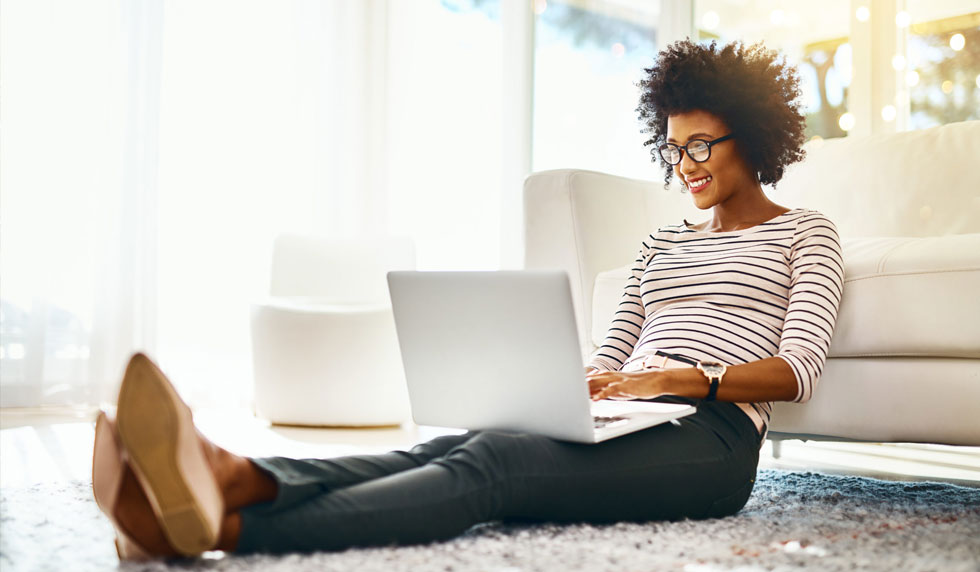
723,174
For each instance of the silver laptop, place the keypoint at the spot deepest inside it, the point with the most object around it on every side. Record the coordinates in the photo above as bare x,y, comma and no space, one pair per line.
500,350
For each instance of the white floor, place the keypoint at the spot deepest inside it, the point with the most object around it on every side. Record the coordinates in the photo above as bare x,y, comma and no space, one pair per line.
57,446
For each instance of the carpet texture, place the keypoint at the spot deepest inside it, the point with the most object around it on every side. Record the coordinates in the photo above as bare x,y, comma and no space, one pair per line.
793,520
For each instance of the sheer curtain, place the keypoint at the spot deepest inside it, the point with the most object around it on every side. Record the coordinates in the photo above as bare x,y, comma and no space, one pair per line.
76,196
266,126
151,151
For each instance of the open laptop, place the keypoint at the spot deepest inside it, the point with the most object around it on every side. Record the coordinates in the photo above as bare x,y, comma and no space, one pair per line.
500,350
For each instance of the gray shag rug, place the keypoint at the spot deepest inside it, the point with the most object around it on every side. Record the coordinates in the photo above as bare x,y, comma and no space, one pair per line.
792,521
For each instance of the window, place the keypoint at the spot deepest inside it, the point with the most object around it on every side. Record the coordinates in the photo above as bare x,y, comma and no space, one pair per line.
942,70
866,67
588,58
813,36
444,135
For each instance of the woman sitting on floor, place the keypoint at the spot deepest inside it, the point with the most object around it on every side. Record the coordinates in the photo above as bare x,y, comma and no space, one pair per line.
750,296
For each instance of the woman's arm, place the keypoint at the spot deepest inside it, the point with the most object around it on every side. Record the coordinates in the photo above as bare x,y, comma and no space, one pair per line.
627,323
770,379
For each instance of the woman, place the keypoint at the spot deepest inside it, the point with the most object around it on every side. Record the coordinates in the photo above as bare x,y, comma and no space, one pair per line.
730,315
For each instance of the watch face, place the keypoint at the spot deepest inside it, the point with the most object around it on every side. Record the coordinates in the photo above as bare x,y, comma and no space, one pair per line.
712,369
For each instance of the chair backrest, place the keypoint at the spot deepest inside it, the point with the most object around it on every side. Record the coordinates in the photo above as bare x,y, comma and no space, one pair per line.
337,271
915,183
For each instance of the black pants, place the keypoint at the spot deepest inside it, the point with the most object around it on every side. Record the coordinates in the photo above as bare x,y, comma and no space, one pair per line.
704,467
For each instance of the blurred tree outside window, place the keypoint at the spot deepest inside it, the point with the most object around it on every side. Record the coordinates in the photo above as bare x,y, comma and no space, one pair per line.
826,72
813,36
589,56
943,71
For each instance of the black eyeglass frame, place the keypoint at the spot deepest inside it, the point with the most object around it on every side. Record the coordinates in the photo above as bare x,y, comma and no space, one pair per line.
682,149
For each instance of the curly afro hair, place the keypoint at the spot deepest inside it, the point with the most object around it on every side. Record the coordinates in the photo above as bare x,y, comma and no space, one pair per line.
754,91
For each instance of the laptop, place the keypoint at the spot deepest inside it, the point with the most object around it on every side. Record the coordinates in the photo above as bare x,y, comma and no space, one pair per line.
500,351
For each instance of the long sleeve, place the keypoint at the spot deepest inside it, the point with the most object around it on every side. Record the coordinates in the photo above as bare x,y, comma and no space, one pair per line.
624,331
816,283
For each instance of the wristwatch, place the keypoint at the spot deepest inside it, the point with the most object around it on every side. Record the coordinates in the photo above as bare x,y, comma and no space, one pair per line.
714,372
711,369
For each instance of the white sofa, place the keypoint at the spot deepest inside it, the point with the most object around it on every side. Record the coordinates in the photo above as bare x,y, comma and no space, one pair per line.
904,364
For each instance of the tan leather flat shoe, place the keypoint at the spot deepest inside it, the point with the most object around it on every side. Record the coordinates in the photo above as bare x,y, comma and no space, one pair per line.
157,432
108,466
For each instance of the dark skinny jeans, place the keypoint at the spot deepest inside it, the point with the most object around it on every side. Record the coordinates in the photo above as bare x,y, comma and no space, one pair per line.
702,467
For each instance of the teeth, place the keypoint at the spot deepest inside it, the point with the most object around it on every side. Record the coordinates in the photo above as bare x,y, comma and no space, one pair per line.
698,183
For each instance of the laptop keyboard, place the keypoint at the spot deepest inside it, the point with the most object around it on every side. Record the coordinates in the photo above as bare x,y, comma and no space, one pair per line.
599,422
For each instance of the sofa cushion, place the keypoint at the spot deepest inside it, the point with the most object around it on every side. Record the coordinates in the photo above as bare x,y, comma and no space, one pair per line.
910,297
914,183
902,297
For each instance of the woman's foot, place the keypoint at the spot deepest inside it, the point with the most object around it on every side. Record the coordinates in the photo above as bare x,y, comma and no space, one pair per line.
163,450
177,492
119,496
241,482
135,516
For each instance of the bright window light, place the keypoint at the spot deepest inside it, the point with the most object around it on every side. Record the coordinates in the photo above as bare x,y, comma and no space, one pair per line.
710,20
957,42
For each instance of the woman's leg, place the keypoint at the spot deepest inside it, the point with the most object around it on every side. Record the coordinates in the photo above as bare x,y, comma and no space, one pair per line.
243,483
299,479
703,467
169,490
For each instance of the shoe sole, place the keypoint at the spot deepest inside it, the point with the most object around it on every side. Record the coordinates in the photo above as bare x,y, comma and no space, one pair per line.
107,466
157,430
107,474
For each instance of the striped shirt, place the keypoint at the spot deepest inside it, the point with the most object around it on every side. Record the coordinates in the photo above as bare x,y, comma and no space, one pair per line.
733,297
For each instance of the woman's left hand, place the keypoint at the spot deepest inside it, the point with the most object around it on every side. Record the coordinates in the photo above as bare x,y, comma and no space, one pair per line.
624,386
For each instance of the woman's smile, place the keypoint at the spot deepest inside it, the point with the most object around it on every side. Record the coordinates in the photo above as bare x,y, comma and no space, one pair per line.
696,185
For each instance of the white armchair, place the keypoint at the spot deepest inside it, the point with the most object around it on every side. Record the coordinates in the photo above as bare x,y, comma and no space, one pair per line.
324,347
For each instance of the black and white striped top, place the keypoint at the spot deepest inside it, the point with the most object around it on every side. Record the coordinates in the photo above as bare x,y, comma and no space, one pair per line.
733,297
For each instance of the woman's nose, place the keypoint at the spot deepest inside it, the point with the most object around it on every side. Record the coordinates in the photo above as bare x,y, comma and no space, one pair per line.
687,165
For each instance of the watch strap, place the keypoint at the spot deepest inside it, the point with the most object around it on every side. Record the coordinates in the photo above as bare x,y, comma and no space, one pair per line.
677,358
713,389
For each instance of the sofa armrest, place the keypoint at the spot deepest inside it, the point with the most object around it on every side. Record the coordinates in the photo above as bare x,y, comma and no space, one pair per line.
586,222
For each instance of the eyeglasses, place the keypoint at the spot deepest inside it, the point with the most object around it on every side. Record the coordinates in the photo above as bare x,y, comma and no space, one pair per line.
697,149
